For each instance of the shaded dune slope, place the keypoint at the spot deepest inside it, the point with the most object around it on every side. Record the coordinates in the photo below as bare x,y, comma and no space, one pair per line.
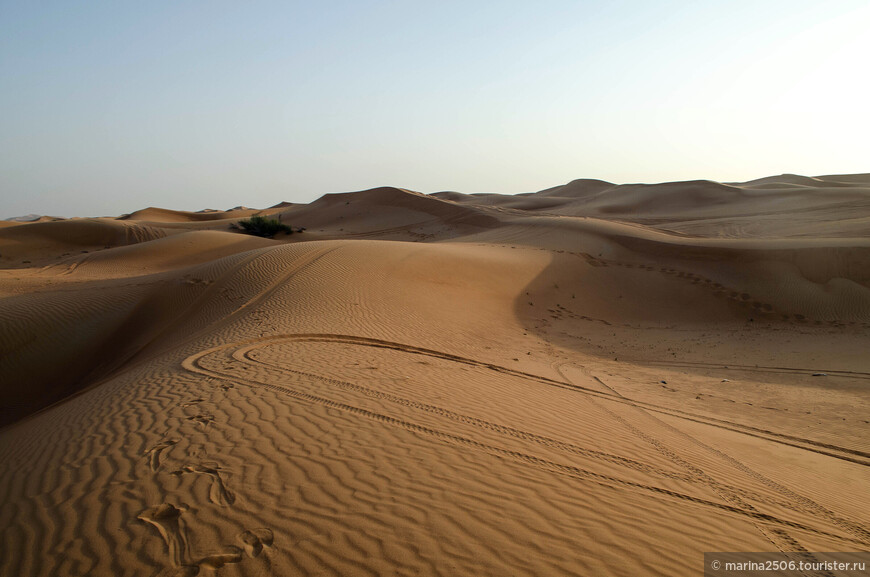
90,325
825,280
45,240
389,212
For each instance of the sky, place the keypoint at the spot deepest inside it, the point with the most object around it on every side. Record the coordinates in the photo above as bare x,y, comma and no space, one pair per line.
108,107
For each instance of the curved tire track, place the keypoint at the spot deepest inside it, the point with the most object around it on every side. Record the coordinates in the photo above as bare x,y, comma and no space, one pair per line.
194,365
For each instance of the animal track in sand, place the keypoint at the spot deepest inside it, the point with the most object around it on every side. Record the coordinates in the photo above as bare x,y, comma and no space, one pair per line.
157,450
218,492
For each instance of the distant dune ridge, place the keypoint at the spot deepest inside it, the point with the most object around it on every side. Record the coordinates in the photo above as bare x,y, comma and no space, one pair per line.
593,379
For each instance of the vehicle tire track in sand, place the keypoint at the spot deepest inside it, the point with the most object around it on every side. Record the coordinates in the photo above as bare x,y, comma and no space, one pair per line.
793,500
275,281
193,364
843,453
244,354
761,369
299,264
777,536
797,502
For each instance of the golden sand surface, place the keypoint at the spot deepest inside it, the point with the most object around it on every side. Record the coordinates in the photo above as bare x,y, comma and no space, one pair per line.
589,380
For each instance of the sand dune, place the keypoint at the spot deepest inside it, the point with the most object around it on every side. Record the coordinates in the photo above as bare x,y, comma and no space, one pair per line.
153,214
775,207
792,180
37,242
388,213
855,179
596,379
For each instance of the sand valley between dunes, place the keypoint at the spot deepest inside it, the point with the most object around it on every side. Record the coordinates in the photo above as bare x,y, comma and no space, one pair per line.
589,380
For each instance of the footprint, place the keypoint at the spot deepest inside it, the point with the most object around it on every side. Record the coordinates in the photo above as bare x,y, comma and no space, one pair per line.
218,492
214,562
202,419
166,518
193,402
254,540
155,452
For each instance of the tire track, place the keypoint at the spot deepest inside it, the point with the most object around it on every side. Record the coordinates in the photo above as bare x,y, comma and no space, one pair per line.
778,537
761,369
297,265
830,450
244,355
193,364
807,505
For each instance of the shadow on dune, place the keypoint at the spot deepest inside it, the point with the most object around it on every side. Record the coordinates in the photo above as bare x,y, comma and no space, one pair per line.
628,293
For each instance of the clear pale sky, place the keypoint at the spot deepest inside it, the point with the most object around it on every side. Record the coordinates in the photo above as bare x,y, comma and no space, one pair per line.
108,107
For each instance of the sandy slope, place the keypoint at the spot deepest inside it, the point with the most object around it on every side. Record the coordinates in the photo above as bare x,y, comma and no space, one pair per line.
590,380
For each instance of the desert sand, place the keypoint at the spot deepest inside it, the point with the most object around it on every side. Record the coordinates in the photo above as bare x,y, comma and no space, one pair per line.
593,379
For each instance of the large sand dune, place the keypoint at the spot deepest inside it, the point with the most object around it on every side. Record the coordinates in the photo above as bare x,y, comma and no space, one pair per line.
595,379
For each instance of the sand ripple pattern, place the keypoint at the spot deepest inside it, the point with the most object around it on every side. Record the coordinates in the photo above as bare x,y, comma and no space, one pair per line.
791,512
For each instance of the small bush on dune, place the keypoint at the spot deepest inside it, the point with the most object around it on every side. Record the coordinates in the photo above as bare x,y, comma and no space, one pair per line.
260,226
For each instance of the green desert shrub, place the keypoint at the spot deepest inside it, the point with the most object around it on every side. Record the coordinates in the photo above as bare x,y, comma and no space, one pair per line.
261,226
